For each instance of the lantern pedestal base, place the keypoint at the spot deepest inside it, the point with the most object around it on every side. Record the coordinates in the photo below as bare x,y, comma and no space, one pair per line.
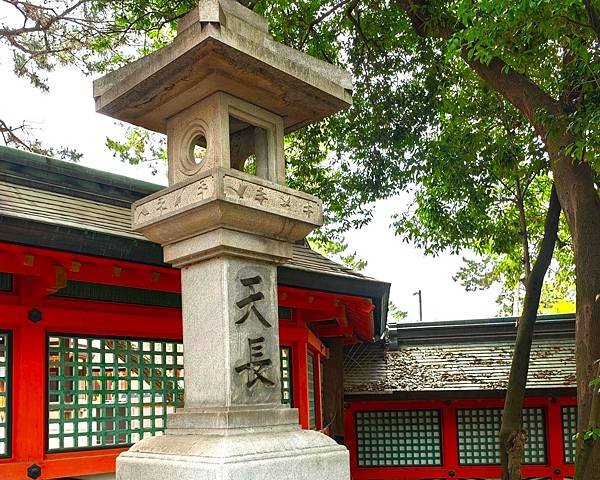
257,454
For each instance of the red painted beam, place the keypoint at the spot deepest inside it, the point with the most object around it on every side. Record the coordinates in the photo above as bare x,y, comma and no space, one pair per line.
89,318
61,465
306,299
85,268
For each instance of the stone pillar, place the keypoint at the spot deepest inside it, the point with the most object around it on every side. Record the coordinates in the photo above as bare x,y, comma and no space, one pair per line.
225,93
230,332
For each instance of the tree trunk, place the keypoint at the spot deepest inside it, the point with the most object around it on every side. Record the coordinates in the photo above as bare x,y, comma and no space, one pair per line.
576,190
580,201
586,446
512,437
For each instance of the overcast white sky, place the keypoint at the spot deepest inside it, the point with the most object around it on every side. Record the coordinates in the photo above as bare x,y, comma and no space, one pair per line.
66,116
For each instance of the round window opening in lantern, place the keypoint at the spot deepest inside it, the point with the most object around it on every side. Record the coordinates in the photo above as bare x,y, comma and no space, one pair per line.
198,149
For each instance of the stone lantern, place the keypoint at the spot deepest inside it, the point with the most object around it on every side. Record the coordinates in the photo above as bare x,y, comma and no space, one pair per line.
225,93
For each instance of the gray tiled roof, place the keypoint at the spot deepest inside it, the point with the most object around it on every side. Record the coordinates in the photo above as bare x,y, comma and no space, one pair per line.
59,209
374,368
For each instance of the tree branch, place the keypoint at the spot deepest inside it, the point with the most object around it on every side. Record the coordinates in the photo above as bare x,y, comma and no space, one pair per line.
517,88
356,23
515,394
320,18
523,233
44,17
10,136
592,14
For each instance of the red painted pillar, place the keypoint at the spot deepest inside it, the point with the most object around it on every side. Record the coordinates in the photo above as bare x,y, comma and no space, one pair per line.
555,440
350,435
450,458
29,395
300,372
300,354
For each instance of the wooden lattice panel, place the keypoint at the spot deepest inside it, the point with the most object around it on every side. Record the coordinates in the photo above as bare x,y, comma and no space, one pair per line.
398,438
286,375
312,392
478,430
110,391
569,424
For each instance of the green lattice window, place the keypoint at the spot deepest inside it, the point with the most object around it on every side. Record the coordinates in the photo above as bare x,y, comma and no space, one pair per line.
398,438
4,394
569,424
110,391
286,375
6,282
323,422
478,436
312,392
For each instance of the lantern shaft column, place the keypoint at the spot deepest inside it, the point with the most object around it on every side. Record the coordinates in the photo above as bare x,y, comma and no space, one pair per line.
231,348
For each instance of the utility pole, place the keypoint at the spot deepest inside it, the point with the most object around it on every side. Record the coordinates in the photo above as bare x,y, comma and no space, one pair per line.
419,293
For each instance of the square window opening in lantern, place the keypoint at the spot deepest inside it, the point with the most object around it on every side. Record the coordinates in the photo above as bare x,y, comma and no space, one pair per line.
107,392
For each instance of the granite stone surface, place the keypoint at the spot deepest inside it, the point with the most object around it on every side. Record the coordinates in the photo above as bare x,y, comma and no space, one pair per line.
292,455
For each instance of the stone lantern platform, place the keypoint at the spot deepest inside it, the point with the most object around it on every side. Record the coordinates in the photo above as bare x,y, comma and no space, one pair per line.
225,93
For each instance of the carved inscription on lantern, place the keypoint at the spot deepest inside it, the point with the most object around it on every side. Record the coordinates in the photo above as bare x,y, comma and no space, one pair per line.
189,194
254,194
254,327
248,303
256,366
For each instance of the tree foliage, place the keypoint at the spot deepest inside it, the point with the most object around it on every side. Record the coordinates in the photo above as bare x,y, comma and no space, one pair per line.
411,92
422,118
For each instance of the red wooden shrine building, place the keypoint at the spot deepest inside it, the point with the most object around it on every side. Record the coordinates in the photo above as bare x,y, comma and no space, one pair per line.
91,355
90,326
426,403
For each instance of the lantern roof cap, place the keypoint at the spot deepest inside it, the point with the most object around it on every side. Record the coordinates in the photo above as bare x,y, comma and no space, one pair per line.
223,46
